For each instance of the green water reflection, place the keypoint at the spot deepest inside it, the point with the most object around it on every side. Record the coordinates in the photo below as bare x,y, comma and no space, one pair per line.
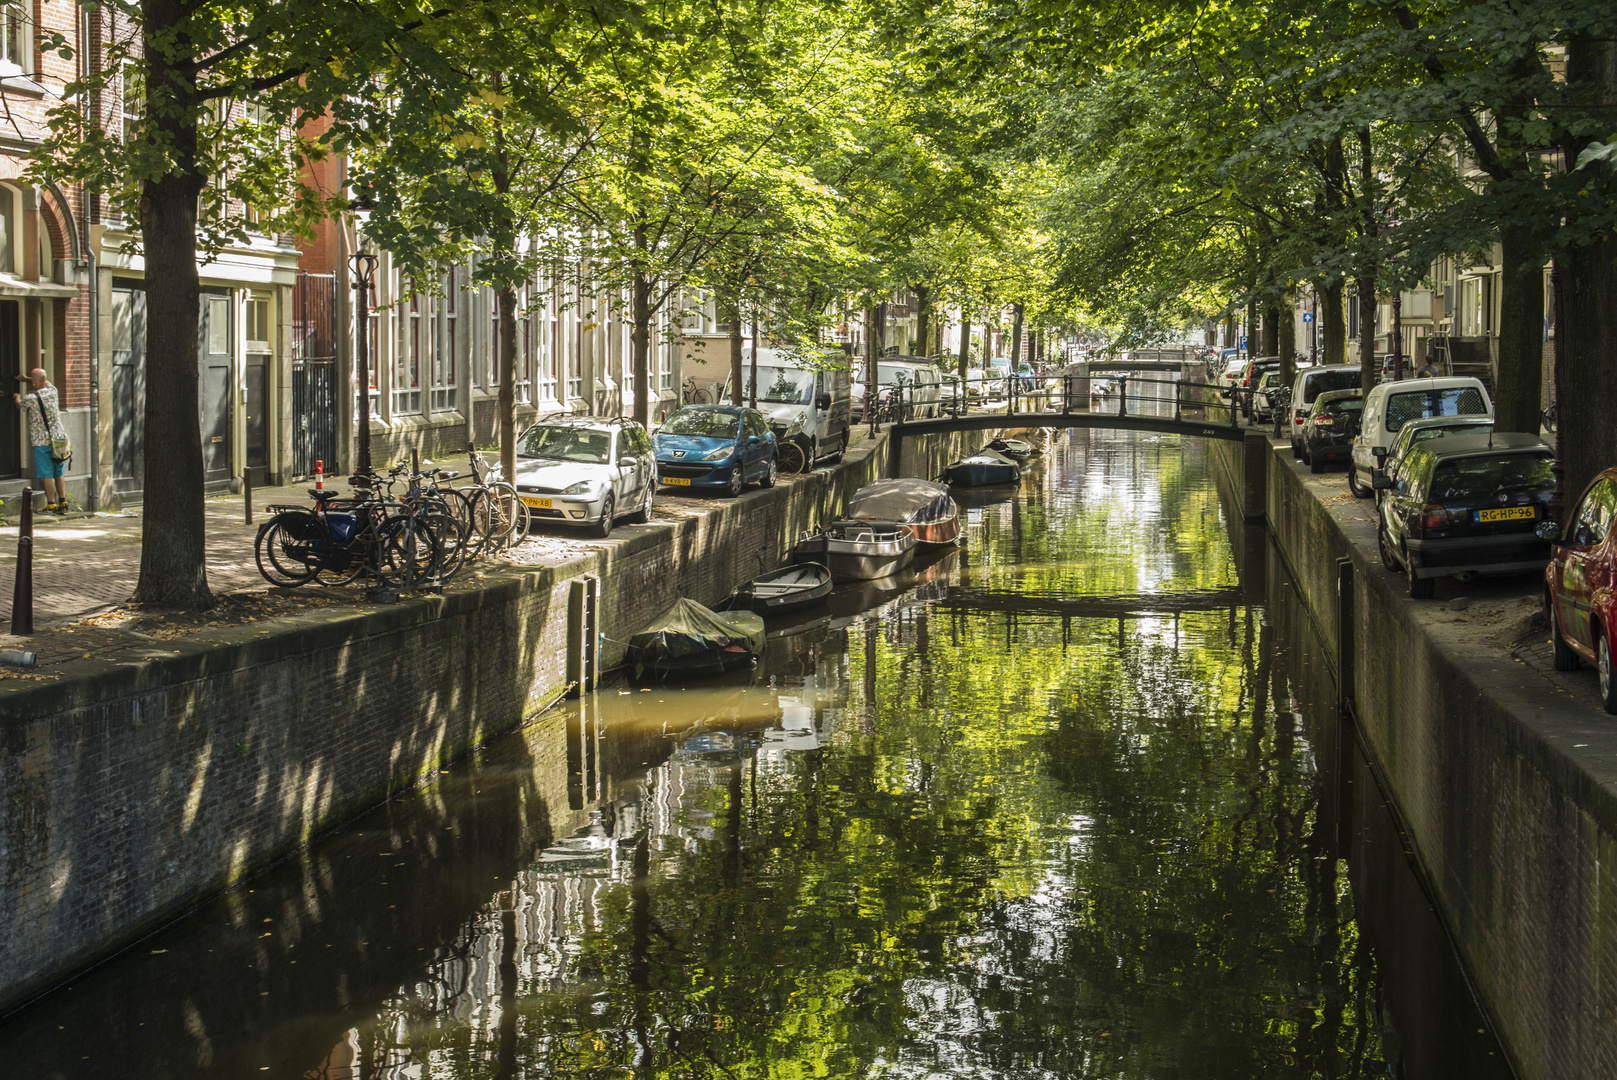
979,838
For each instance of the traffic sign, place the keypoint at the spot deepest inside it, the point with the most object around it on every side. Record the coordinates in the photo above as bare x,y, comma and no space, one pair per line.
1308,316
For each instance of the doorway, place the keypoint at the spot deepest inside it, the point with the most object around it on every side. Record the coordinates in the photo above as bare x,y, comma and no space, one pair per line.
213,389
128,388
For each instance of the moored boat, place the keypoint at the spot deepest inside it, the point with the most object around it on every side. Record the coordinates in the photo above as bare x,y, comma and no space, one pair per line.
983,468
924,505
1015,449
790,588
689,638
858,550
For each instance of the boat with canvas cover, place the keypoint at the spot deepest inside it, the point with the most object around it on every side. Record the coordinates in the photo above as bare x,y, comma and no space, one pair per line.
858,550
924,505
1015,449
688,638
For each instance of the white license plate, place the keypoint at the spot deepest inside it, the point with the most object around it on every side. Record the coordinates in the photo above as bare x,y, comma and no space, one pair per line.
537,504
677,481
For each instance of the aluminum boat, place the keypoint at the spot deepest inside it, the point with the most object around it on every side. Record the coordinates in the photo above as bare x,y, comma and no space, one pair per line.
858,550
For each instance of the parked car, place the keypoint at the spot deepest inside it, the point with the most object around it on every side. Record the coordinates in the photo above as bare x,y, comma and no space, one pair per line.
1262,409
1418,431
1234,368
1332,422
1466,504
586,471
1308,385
1390,405
952,398
1578,597
809,406
716,446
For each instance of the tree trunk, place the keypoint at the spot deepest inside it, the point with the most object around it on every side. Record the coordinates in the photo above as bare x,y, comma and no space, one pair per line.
1016,338
1588,329
505,301
1332,324
1369,369
1271,330
172,569
923,319
736,375
1287,343
965,345
641,290
1521,333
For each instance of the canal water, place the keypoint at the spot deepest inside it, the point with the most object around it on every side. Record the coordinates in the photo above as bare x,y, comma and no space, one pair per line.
1070,801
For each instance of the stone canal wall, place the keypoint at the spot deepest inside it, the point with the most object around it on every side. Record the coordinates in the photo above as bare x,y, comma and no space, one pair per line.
138,789
1507,791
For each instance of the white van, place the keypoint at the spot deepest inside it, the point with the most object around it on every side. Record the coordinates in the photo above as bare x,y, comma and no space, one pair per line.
804,406
919,384
1390,405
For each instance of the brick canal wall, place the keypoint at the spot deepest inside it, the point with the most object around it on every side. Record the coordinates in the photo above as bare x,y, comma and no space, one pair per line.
143,788
1508,793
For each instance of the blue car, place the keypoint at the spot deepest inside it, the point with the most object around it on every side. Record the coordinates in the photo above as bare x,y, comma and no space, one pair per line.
716,446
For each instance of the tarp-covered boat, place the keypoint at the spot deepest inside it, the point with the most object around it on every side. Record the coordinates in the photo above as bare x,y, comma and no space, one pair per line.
924,505
858,550
1015,449
787,589
690,638
983,468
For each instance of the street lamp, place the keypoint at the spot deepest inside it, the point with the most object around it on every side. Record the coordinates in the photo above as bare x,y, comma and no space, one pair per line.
364,279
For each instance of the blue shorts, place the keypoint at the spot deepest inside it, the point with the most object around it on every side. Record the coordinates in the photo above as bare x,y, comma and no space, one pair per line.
45,466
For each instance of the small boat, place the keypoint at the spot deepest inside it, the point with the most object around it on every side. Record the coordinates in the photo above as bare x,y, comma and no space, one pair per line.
689,638
983,468
1015,449
924,505
858,550
790,588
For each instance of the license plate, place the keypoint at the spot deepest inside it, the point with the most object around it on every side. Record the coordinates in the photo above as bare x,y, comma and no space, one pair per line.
677,481
537,504
1506,513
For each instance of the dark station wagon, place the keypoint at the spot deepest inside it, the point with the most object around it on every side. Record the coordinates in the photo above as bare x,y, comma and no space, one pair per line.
1466,504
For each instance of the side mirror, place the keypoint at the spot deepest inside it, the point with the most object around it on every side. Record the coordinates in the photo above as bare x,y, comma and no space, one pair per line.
823,401
1380,481
1548,530
753,440
1378,451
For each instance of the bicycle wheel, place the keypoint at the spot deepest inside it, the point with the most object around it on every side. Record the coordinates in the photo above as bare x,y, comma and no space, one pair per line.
283,548
791,457
506,515
407,552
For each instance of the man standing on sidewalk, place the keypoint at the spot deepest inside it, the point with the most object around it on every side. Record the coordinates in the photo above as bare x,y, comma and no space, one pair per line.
44,427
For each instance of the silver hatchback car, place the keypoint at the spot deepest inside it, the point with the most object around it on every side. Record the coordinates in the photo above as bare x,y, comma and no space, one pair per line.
586,471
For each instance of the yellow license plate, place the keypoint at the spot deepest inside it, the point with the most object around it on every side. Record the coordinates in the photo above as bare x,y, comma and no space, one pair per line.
1506,513
537,504
677,481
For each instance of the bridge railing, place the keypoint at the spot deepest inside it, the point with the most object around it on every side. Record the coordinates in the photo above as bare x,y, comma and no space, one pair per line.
1207,402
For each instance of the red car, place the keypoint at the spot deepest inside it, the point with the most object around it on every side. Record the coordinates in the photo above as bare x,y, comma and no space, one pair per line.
1578,584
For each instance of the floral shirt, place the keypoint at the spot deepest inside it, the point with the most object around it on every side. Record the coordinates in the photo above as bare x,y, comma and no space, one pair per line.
41,426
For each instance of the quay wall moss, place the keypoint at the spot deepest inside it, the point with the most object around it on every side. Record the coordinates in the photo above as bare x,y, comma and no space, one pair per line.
1507,791
137,788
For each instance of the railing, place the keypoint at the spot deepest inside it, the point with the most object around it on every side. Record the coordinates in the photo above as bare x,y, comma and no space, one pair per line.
1175,398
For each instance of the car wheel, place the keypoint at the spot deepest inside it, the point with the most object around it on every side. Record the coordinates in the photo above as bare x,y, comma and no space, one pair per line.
1358,489
771,473
643,515
1419,588
1561,654
1296,450
736,484
603,528
1388,559
1315,463
1608,681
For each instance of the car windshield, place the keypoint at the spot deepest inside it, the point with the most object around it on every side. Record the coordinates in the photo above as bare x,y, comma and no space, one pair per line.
1343,406
587,445
707,422
1422,434
894,375
1476,477
1326,381
1450,401
783,386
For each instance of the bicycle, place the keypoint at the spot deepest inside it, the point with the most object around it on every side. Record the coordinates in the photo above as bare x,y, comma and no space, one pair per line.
497,512
338,540
693,394
1552,416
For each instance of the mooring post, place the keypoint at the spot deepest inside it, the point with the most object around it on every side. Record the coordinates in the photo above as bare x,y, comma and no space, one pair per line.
1346,657
22,585
247,491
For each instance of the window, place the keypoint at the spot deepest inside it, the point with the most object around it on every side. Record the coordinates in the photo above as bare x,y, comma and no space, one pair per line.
9,218
132,100
258,325
1593,518
525,345
445,373
16,40
493,338
407,375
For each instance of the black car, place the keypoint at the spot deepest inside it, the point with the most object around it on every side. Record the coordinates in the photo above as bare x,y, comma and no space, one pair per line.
1466,504
1332,423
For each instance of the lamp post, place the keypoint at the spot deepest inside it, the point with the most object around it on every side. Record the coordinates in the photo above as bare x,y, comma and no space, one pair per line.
364,279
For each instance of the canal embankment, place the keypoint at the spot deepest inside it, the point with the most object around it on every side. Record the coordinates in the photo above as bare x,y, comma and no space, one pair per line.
140,785
1505,784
